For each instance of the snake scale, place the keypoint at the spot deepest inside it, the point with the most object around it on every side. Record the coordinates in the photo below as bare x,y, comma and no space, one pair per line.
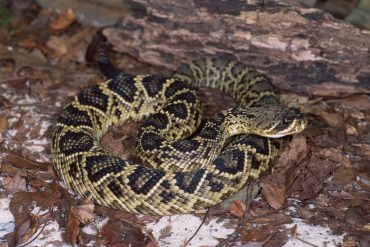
185,165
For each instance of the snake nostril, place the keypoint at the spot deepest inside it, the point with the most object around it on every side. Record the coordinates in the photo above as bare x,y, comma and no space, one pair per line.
300,115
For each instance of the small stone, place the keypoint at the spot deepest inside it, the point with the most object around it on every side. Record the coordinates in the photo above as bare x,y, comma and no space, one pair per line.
351,130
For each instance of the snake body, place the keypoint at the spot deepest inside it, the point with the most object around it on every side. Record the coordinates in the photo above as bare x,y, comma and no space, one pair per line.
180,171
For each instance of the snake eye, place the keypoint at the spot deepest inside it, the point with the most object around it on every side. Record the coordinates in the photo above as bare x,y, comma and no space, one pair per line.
287,120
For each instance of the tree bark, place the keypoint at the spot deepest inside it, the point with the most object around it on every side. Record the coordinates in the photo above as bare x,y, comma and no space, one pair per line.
302,50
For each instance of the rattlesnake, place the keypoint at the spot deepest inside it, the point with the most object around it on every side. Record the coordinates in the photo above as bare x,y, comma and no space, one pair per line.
180,171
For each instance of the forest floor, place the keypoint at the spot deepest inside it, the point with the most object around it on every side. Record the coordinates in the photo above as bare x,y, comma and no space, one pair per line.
317,195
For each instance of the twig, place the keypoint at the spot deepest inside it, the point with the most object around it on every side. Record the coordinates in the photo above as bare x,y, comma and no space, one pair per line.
35,237
245,219
268,238
242,221
195,233
39,233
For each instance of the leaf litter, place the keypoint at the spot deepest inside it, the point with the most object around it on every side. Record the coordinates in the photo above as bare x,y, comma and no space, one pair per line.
318,193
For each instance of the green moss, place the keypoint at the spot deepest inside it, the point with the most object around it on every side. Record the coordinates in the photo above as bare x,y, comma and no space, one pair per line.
5,16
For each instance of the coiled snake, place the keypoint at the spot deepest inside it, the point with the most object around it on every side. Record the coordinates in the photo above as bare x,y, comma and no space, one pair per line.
181,171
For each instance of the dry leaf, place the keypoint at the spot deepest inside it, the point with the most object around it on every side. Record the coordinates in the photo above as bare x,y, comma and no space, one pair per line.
273,190
256,235
293,230
277,239
363,180
28,43
23,163
14,184
351,196
79,215
309,178
237,208
3,123
23,59
58,45
353,217
332,119
73,228
365,150
120,233
295,151
343,175
65,20
271,218
69,48
22,203
313,178
359,102
165,232
29,228
84,212
305,213
334,154
274,185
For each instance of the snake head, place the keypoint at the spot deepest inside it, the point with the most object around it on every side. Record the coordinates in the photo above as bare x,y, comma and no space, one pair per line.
286,121
272,121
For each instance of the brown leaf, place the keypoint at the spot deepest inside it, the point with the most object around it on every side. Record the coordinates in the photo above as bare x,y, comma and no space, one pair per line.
14,184
23,59
70,48
256,235
237,208
363,180
353,217
120,233
79,215
21,162
343,175
73,229
22,203
58,45
277,239
3,123
351,196
65,20
334,154
295,151
84,212
275,219
29,228
312,179
331,118
293,230
121,140
273,190
365,150
165,232
305,213
28,43
359,102
12,170
274,185
322,200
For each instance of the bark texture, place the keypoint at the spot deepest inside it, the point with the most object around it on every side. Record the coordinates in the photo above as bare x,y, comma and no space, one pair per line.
302,50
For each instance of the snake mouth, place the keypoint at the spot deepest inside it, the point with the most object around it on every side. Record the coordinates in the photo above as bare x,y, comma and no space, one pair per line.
296,126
